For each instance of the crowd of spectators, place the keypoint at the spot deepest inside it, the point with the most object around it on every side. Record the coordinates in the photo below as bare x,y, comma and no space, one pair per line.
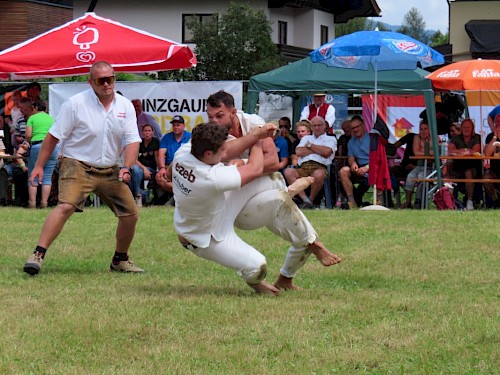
306,149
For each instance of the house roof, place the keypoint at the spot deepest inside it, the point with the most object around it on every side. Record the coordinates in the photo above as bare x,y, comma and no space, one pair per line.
343,10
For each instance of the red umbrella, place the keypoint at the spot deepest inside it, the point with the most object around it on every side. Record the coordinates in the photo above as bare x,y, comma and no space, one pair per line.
72,48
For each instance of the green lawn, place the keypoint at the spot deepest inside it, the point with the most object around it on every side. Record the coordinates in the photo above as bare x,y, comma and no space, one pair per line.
417,293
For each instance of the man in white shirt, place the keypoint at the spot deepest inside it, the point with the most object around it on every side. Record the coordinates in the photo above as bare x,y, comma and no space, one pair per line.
91,127
315,152
272,207
209,195
319,108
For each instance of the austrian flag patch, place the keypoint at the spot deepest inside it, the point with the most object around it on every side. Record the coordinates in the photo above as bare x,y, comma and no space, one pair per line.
121,115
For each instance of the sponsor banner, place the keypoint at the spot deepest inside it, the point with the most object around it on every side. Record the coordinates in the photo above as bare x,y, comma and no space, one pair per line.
162,100
400,113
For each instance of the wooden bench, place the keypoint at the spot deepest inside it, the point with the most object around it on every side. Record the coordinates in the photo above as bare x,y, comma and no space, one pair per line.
457,180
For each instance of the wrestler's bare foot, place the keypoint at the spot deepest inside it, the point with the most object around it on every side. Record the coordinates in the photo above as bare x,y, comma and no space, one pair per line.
265,288
324,255
300,185
285,283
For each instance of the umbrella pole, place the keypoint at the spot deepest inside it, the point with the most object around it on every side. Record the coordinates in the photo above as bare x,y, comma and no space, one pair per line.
375,109
373,124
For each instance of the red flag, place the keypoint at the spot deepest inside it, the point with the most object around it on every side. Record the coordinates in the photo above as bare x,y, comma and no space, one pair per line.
378,174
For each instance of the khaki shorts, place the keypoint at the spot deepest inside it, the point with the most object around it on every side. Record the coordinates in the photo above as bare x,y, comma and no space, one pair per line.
77,180
308,167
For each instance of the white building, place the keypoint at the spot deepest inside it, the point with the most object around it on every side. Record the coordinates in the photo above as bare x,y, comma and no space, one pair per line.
297,26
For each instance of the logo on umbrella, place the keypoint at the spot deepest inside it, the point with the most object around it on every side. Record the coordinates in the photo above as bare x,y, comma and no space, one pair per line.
485,73
83,38
407,46
324,51
449,74
347,61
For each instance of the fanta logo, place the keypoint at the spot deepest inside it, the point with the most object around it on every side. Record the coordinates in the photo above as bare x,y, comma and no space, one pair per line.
408,47
449,74
485,73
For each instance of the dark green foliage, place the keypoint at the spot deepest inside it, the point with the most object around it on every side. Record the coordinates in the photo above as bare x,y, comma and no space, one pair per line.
234,46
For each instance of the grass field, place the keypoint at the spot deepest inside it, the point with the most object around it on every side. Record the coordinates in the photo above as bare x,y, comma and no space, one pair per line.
417,293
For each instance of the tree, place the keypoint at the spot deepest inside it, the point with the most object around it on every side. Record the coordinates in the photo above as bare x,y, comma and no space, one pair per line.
233,47
358,24
381,27
414,26
351,26
438,39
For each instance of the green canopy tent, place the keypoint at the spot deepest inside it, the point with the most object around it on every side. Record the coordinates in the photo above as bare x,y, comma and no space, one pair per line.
304,77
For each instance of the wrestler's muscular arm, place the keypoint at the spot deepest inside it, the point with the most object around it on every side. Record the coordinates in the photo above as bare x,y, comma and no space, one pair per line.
271,159
254,167
237,146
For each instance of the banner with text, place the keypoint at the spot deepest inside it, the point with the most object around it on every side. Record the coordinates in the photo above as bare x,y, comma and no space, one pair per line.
162,100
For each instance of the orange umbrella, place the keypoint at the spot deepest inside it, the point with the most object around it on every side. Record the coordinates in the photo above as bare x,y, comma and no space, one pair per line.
468,75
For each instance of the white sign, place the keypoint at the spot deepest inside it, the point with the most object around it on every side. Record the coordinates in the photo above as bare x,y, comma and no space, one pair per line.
272,107
162,100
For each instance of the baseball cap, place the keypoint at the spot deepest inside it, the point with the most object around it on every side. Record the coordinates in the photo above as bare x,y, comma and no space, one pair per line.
177,118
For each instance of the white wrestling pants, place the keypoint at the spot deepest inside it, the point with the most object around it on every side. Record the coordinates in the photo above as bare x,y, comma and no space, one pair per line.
231,251
274,209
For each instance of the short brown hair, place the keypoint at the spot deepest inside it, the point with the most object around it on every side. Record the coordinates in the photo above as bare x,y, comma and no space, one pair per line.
207,137
219,98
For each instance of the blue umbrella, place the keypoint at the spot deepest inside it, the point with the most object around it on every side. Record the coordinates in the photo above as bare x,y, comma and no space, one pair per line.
383,50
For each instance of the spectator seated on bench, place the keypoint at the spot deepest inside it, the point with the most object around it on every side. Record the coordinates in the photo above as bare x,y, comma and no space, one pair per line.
467,143
422,146
315,152
145,167
169,145
356,170
492,148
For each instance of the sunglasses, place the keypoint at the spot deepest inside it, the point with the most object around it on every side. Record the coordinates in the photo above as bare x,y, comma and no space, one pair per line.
101,81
